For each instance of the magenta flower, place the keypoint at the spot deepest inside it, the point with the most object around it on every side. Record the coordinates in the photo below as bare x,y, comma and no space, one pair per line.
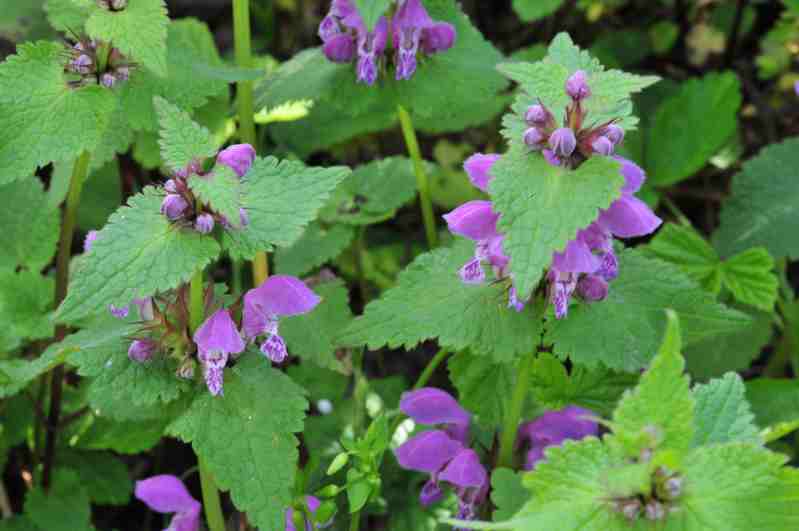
478,167
204,223
238,157
279,296
577,86
141,350
216,339
313,504
432,406
412,29
552,428
168,494
173,206
475,220
428,452
562,141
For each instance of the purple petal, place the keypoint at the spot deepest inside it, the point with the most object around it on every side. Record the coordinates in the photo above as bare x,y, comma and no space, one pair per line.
283,295
478,166
165,494
340,49
551,157
465,470
204,223
534,456
91,237
218,334
120,312
533,138
214,379
609,269
577,86
427,452
628,217
238,157
592,288
145,306
141,350
430,493
370,47
329,28
576,258
514,301
173,206
561,287
615,134
186,521
536,115
633,175
472,272
274,348
474,220
602,145
438,38
244,218
429,405
563,142
554,427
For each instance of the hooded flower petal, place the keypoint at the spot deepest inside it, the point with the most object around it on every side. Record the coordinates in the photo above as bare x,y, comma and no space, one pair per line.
340,48
576,258
472,272
474,220
279,295
218,334
628,217
168,494
465,470
438,38
478,167
370,48
427,452
91,237
141,350
173,206
429,405
430,493
412,29
563,142
553,427
633,175
238,157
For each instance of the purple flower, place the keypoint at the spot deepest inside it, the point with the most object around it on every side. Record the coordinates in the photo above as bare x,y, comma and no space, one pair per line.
216,339
279,296
628,216
168,494
238,157
537,115
478,222
173,206
533,138
602,145
552,428
478,167
204,223
614,133
427,452
141,350
91,237
592,288
120,312
313,504
577,86
563,142
412,29
171,186
432,406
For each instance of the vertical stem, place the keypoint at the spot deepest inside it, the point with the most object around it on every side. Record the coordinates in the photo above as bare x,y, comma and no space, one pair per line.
360,249
355,520
732,38
79,172
508,437
196,301
422,182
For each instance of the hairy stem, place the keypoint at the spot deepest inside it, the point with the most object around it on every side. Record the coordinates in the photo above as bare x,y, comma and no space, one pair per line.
211,503
422,183
196,301
514,413
79,172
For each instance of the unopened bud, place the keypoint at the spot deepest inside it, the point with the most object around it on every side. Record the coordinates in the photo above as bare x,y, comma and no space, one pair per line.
171,186
141,350
673,487
655,511
602,145
563,142
244,217
108,80
81,64
533,138
592,288
173,206
577,86
536,115
614,133
123,73
630,509
204,223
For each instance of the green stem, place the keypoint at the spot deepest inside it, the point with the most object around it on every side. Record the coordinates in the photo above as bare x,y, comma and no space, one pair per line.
196,301
508,436
422,182
79,172
355,520
360,250
211,503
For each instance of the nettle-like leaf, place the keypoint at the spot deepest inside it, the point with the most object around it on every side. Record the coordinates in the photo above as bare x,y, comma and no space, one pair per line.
16,374
477,379
372,193
764,206
317,245
773,400
41,118
543,206
30,226
722,413
65,507
123,437
67,15
182,140
449,91
530,10
748,275
281,198
138,31
26,300
430,301
104,477
137,254
632,316
247,442
221,191
507,493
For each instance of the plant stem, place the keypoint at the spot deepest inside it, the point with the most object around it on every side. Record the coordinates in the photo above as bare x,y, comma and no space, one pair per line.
196,301
514,414
79,172
213,508
360,250
355,520
422,182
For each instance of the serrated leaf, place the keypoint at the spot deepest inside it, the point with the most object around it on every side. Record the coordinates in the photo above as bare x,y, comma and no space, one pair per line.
312,336
221,191
100,197
66,15
722,413
124,437
104,477
749,277
682,246
259,463
372,10
764,204
317,245
30,226
543,206
507,493
430,301
477,379
138,254
372,193
181,139
633,317
65,507
138,31
773,400
691,126
26,300
16,374
41,118
530,10
281,198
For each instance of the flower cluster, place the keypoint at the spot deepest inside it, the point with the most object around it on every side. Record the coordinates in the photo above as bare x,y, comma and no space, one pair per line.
443,453
412,31
551,429
179,204
84,61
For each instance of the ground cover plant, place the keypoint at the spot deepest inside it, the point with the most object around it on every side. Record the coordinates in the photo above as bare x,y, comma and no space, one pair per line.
399,265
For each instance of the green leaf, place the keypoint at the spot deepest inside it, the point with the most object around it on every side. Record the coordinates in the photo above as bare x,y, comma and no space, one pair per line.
259,463
682,246
138,254
372,193
100,197
317,245
764,204
633,318
692,126
372,10
221,191
477,379
138,31
104,477
722,413
64,508
41,118
281,198
26,299
30,226
16,374
530,10
596,389
430,301
67,15
543,206
507,493
124,437
773,400
749,277
312,336
182,140
662,401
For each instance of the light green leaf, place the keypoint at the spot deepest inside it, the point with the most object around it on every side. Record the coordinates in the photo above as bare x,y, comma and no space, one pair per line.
722,413
26,300
372,10
633,317
477,379
138,31
182,140
530,10
221,191
30,226
124,437
543,206
247,442
682,246
67,15
41,118
317,245
64,508
430,301
16,374
507,493
136,255
281,198
104,477
749,276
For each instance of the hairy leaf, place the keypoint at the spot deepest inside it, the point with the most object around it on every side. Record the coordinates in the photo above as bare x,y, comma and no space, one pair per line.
317,245
722,413
507,493
104,477
64,508
477,379
181,139
30,226
221,191
26,300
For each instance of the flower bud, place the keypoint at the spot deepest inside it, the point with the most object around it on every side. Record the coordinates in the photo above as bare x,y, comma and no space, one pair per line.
244,217
563,142
91,237
577,86
614,133
655,511
81,64
141,350
171,186
108,80
673,487
238,157
592,288
630,509
123,73
536,115
602,145
533,138
173,206
204,223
